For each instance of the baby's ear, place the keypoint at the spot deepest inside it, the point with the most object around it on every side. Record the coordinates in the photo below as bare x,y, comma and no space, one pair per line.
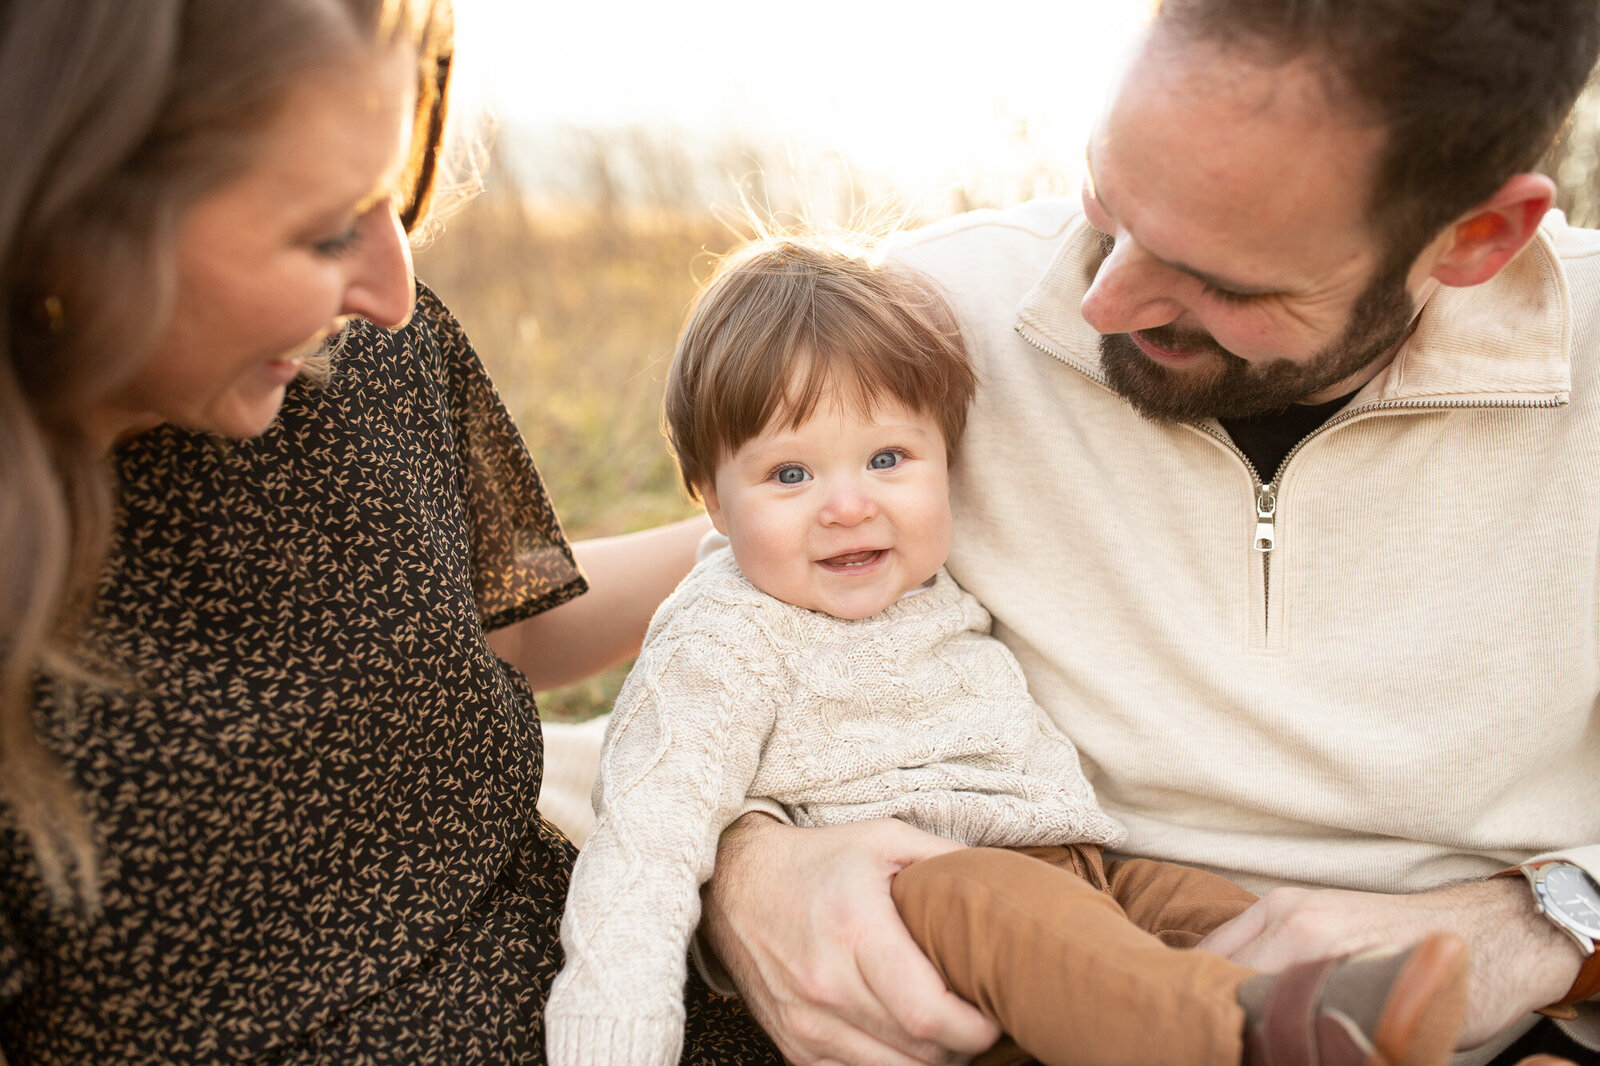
707,491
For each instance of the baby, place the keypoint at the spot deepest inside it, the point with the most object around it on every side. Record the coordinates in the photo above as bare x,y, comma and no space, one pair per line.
827,669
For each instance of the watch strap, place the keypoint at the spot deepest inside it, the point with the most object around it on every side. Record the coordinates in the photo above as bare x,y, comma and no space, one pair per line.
1587,984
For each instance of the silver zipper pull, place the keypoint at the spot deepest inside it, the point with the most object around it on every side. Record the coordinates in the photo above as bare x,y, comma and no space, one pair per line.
1266,508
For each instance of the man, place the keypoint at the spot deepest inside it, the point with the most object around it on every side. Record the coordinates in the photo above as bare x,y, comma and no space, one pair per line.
1281,486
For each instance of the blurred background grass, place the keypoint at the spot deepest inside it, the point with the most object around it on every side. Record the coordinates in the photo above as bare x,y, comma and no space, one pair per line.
572,275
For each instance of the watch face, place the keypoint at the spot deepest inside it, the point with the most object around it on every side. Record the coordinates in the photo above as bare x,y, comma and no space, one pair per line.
1571,891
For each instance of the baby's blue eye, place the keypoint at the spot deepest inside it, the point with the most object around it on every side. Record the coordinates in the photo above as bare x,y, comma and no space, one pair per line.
792,475
884,461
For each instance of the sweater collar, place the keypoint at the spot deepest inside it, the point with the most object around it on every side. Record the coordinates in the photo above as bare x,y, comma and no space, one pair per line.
1508,340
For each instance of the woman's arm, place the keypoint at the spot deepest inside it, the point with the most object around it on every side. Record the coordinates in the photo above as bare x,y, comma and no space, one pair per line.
628,576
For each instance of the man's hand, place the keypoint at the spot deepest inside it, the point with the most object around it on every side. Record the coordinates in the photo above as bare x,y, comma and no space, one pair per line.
1520,962
803,922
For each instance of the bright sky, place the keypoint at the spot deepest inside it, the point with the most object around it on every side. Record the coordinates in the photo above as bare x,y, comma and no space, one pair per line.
920,93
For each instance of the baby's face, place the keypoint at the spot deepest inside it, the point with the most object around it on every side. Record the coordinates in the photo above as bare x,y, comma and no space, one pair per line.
838,515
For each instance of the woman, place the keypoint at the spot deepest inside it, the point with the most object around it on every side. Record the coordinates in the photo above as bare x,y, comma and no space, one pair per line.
268,792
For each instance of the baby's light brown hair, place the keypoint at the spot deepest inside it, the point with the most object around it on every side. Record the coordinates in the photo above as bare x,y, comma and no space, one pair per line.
787,320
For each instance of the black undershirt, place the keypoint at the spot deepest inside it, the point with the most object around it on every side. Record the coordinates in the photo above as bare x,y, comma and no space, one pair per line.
1267,439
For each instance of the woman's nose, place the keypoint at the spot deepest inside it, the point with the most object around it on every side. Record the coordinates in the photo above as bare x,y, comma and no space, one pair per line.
381,286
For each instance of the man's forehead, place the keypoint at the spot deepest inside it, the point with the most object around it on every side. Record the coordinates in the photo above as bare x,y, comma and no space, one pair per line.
1219,173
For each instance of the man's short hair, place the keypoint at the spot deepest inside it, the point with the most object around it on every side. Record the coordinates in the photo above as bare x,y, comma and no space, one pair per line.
1470,92
786,322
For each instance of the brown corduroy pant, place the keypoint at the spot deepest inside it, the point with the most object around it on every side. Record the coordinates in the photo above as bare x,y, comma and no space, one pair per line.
1080,961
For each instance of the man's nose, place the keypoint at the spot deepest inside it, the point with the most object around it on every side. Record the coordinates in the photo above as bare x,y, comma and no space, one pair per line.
1131,291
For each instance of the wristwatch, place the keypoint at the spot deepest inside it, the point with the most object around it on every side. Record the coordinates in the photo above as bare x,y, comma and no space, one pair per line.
1564,893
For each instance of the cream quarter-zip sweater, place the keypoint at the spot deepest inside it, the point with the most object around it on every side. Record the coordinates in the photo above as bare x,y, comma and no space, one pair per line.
1403,690
914,713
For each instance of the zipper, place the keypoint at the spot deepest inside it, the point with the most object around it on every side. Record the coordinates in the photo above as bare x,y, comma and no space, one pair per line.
1266,492
1266,506
1266,514
1266,511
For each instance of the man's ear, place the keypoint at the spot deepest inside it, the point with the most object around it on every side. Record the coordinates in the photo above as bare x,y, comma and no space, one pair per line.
1486,238
708,496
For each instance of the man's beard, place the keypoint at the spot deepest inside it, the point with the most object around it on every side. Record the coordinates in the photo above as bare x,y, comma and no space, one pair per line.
1226,386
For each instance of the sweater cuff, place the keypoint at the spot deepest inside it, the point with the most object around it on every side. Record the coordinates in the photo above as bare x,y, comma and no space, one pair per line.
1585,1029
1587,857
602,1040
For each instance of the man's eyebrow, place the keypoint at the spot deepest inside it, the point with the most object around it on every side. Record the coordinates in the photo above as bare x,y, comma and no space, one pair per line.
1205,277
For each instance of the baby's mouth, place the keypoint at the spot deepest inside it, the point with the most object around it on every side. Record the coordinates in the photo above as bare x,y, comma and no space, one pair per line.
852,560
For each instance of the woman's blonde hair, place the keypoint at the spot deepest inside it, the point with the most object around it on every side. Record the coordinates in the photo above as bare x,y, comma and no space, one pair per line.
120,115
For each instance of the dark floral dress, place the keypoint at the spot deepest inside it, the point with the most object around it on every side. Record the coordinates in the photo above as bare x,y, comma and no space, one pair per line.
314,784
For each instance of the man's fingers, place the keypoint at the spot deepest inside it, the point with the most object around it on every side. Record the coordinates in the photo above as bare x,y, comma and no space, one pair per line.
849,1046
793,914
909,1006
929,1020
814,1035
902,845
1229,938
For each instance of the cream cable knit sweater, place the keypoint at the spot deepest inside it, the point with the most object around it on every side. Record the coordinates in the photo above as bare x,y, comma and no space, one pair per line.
915,713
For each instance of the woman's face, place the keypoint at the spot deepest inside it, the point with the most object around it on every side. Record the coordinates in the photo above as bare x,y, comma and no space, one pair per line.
276,259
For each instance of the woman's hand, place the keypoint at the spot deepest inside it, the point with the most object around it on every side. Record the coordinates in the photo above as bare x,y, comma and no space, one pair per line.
1520,962
803,922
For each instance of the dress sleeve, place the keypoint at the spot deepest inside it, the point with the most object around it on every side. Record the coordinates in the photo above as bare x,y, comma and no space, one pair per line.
521,562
